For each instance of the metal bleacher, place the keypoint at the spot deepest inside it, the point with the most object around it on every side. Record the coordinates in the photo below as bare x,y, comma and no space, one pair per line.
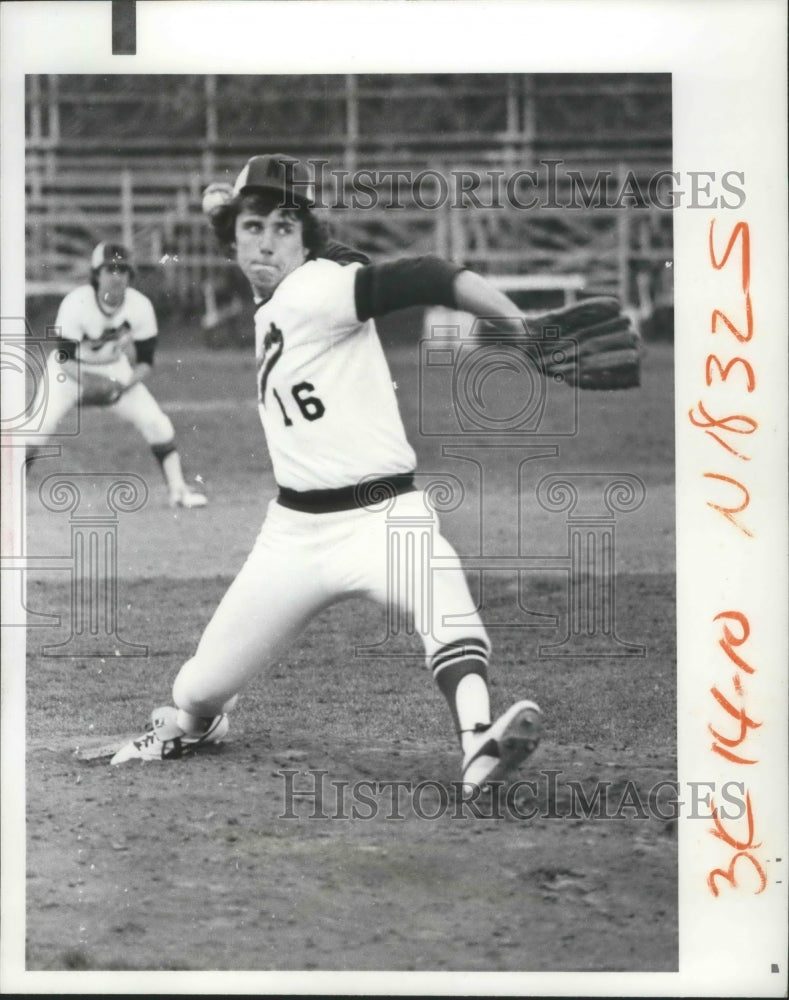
127,157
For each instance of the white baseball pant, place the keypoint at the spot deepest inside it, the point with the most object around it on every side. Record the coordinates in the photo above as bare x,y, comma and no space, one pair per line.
302,563
136,405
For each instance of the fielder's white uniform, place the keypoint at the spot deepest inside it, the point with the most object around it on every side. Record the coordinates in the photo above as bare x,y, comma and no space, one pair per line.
105,341
330,415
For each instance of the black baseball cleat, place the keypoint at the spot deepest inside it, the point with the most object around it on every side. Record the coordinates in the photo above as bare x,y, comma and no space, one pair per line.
498,749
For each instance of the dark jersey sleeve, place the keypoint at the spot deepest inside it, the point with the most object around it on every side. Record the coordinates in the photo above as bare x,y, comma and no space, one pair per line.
342,254
144,350
413,281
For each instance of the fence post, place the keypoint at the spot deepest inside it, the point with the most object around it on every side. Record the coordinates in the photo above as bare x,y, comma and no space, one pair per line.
54,110
53,128
34,96
623,244
457,236
211,131
182,245
211,126
351,121
127,209
441,236
529,121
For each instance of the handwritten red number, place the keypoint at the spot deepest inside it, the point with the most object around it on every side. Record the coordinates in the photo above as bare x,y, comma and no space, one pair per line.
733,757
739,714
730,640
735,423
729,512
738,845
729,875
723,373
742,230
742,337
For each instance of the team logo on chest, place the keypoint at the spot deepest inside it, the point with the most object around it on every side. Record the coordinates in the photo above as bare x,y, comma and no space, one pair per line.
111,335
273,345
309,406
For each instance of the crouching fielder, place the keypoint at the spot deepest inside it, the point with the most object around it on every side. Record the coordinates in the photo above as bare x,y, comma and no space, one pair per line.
337,445
108,335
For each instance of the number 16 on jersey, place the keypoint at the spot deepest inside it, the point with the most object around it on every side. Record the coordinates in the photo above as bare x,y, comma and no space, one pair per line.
310,407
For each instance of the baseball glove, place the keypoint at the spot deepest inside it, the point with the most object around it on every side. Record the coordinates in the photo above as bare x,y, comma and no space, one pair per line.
591,344
99,390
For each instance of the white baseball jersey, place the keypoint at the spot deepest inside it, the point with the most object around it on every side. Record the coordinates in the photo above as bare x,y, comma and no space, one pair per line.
325,392
331,419
105,337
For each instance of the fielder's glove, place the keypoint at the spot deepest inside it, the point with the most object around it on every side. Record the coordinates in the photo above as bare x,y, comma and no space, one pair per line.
99,390
591,344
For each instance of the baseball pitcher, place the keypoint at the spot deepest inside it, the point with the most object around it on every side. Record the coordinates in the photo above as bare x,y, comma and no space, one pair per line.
345,475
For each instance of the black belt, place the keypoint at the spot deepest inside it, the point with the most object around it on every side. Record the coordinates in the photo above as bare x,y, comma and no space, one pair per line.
364,494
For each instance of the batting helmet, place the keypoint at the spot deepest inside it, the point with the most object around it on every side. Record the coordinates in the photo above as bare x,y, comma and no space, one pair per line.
111,255
278,172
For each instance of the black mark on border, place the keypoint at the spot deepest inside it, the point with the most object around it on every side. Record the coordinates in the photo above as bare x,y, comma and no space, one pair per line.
124,27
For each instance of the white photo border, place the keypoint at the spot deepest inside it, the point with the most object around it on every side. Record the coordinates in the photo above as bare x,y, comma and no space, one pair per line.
728,67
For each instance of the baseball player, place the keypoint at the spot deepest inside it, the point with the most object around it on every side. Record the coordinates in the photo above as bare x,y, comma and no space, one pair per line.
108,334
345,475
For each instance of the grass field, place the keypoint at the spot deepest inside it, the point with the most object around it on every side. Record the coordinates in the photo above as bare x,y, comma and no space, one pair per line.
191,865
